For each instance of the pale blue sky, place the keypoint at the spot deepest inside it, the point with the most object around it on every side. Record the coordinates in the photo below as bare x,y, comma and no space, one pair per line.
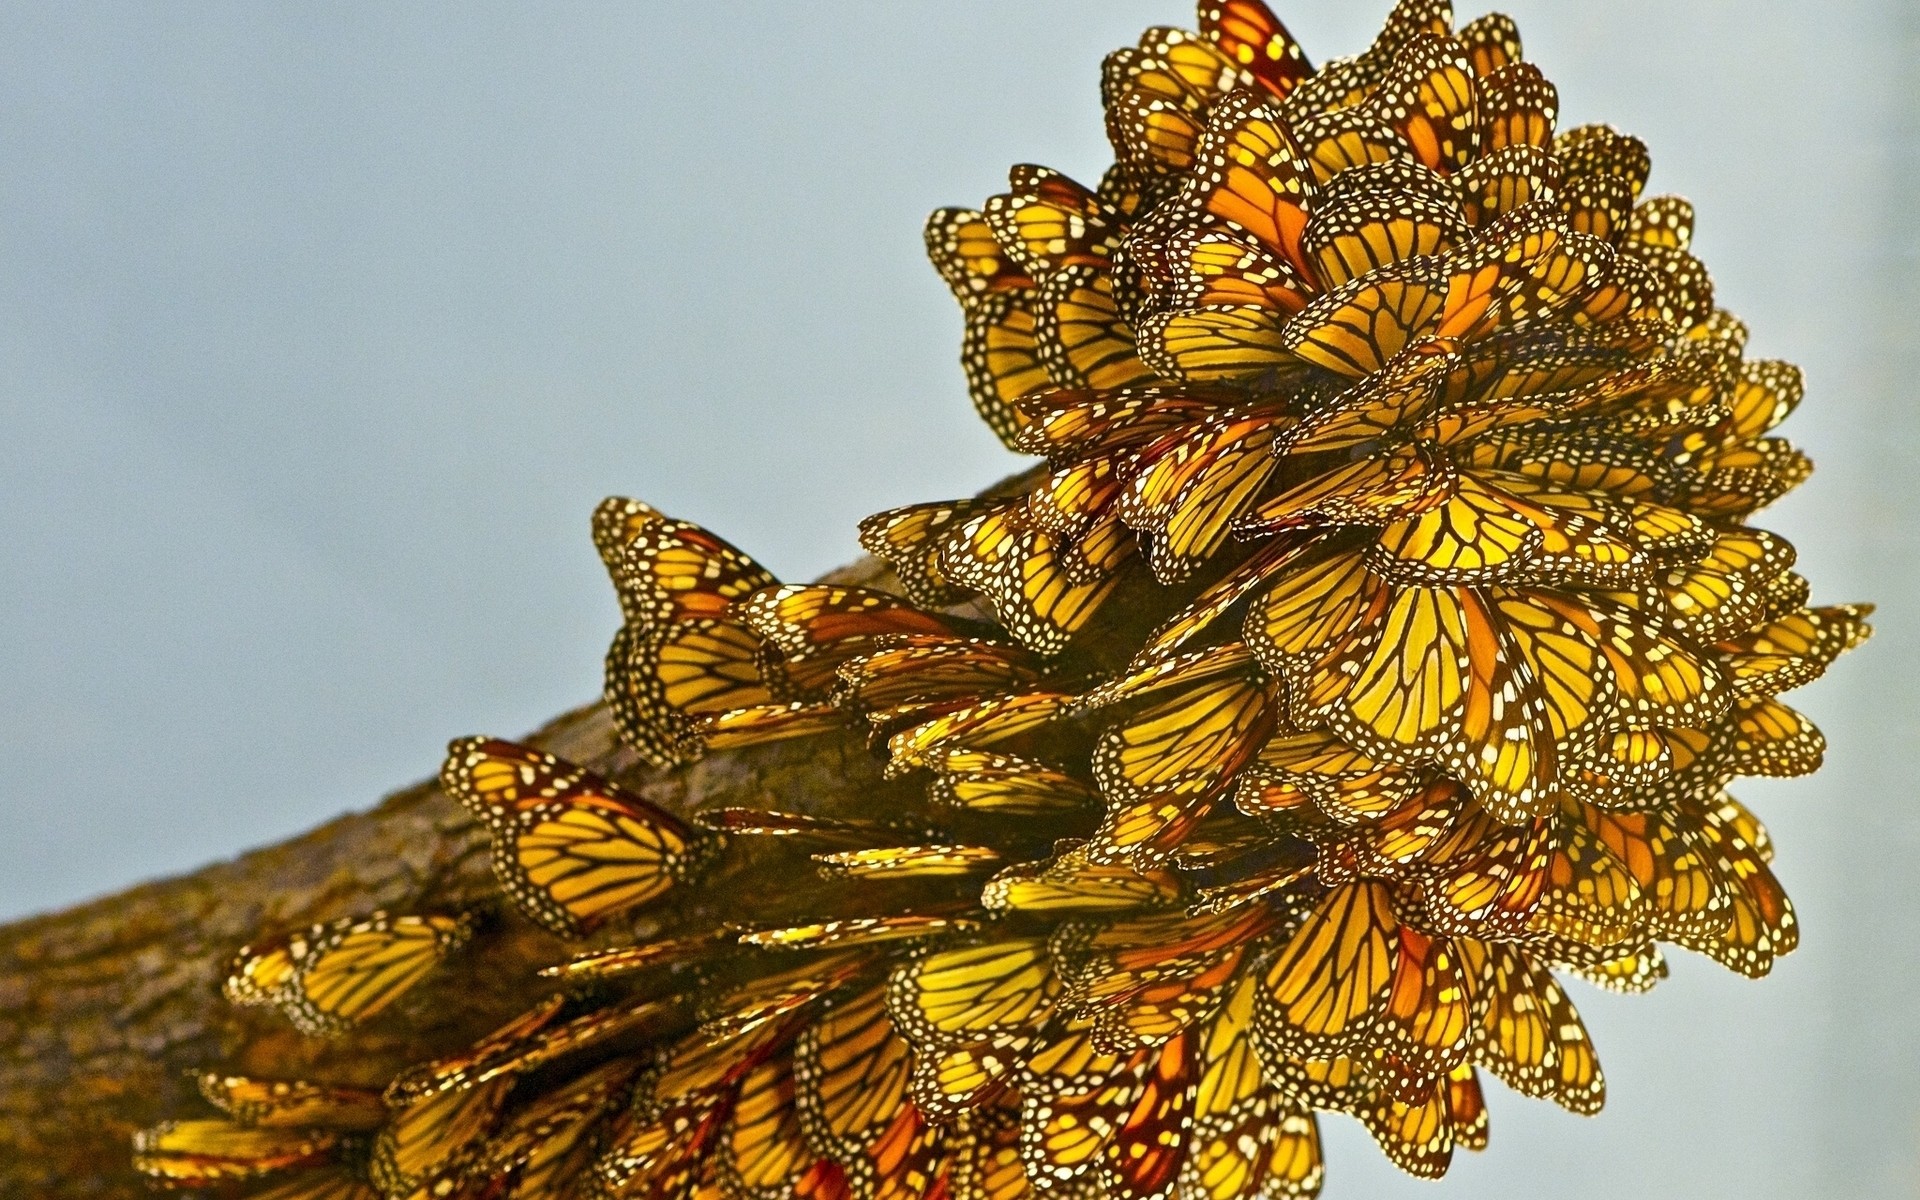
323,327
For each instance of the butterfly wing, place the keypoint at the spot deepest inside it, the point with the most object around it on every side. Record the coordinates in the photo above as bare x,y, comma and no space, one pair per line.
571,848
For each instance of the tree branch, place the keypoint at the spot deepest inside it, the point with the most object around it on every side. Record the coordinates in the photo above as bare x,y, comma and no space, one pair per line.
106,1008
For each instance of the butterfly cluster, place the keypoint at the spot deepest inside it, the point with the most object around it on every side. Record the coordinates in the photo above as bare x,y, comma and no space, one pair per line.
1372,652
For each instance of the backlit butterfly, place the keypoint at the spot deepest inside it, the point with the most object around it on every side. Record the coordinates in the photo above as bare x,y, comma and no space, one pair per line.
571,849
999,354
546,1145
206,1153
437,1138
292,1104
330,977
331,1183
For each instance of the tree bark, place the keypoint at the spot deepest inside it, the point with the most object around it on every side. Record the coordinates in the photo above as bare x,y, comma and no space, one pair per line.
106,1008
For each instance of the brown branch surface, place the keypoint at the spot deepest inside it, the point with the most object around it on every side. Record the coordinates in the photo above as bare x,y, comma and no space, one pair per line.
107,1007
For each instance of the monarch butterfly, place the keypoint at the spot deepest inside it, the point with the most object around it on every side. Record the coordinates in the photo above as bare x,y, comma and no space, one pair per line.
1768,390
1411,675
1073,498
857,931
1685,894
1048,222
571,849
1262,882
1082,338
1735,481
1483,877
681,653
436,1138
548,1143
332,1183
1763,925
1145,979
617,520
1153,127
983,723
906,1161
1724,591
998,352
1360,326
1324,988
1794,650
657,1147
330,977
1425,1022
1158,93
701,1068
1486,532
1636,969
830,831
1419,1135
1592,899
951,1081
671,570
1160,768
1071,421
1541,668
984,1149
1191,498
624,960
1028,576
1217,298
1293,770
1072,881
660,680
759,724
522,1045
829,623
768,1000
1247,1139
907,538
1398,843
1380,215
899,862
1492,41
850,1070
1514,176
1750,468
1253,175
760,1150
1769,738
1348,81
206,1153
1602,151
292,1104
968,256
1518,107
1668,221
1247,32
985,782
1122,1128
946,997
1173,670
920,669
1530,1036
1429,97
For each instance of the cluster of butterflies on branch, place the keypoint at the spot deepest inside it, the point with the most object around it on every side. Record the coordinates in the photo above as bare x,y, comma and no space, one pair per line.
1373,650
